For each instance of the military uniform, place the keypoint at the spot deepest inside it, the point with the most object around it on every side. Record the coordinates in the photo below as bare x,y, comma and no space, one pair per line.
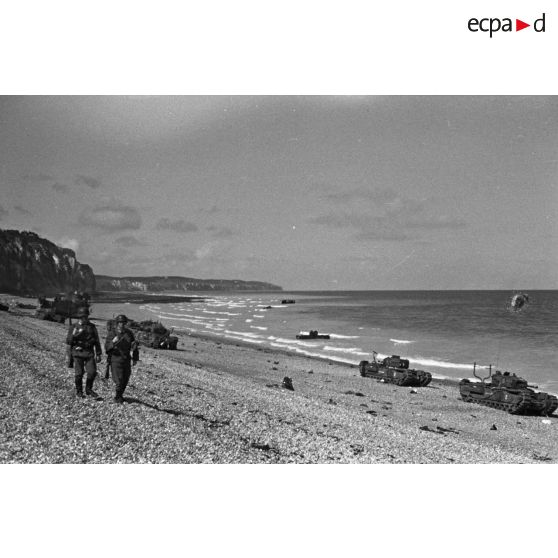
118,346
83,342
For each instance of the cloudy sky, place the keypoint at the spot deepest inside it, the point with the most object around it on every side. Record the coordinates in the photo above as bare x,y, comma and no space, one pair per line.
304,192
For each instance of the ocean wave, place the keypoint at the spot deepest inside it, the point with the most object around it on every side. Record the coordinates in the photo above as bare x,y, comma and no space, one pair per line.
244,339
191,320
182,315
220,313
442,364
401,341
339,336
291,342
352,350
244,334
259,327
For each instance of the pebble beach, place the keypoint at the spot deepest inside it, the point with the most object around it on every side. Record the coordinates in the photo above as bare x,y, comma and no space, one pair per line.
212,401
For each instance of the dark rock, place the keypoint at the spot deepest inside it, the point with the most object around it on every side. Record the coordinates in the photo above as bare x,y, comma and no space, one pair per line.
288,383
493,427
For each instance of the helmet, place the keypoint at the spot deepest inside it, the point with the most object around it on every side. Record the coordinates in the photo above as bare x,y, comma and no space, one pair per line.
82,312
121,318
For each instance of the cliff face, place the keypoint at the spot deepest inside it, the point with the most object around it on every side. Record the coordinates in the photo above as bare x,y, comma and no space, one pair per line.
157,284
31,265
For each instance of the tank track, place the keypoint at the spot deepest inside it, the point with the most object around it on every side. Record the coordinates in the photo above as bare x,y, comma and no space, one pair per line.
521,408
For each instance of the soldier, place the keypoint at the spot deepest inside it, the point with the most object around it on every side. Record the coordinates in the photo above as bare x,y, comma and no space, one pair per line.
83,342
118,345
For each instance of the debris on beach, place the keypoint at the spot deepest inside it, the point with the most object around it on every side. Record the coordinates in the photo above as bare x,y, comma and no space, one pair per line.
439,430
264,447
493,427
546,421
288,383
541,457
413,391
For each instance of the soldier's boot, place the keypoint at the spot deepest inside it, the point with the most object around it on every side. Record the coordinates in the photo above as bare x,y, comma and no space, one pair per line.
79,388
118,397
89,389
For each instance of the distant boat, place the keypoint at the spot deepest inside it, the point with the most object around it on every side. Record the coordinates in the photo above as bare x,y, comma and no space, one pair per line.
288,301
313,334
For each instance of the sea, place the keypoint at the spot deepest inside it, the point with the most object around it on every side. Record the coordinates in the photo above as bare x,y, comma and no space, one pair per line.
443,332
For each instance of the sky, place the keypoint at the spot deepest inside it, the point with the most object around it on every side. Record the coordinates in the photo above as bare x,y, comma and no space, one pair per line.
306,192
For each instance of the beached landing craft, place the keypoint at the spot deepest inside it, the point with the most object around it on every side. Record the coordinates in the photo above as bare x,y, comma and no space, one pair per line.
508,393
394,370
313,334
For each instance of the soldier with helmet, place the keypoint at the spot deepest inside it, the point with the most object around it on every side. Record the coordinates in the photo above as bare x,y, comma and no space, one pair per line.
118,345
83,344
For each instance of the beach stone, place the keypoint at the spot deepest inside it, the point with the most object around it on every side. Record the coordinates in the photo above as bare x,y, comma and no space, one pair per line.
288,383
493,427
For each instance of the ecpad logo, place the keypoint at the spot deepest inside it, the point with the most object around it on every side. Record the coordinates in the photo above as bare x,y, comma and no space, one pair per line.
492,25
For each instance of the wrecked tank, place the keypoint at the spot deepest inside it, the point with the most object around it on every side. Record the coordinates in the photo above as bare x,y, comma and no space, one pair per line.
62,307
394,370
149,334
507,392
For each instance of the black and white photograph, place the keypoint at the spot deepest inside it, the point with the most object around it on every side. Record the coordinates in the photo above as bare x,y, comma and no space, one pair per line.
278,279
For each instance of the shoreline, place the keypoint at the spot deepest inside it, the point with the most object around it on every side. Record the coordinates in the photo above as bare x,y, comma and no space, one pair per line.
221,401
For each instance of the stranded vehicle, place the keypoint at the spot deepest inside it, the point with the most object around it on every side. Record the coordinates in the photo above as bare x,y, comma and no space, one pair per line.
394,370
313,334
149,334
507,392
62,307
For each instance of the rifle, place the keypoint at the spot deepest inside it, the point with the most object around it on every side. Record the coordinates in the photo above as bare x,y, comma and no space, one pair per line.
108,366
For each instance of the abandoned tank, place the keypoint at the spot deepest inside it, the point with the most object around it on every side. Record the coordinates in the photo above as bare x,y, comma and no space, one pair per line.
62,307
150,334
507,392
394,370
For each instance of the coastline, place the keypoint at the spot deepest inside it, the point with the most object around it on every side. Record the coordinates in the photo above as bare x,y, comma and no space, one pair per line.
221,401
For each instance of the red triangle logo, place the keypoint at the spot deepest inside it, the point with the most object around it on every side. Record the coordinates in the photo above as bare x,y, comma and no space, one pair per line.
519,25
